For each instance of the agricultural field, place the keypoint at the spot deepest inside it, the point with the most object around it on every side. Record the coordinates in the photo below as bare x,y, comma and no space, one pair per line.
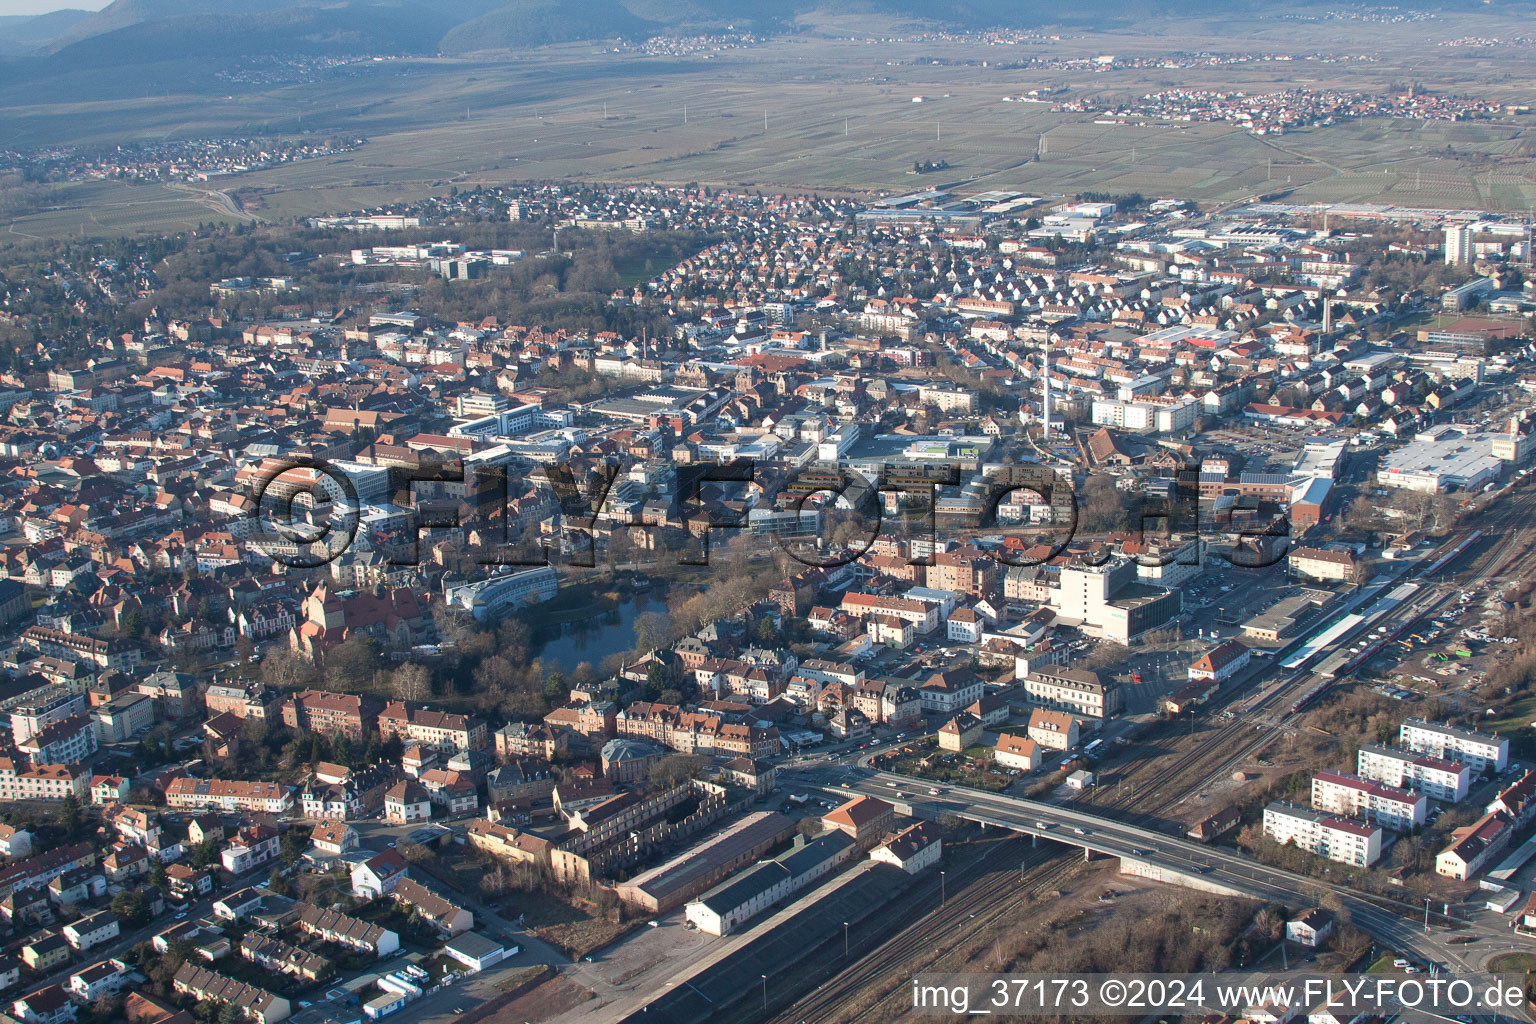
836,112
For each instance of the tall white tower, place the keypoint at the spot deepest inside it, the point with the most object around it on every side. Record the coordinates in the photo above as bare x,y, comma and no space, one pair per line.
1045,401
1458,245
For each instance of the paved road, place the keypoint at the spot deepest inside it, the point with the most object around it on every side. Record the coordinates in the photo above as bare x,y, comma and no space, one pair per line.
1161,852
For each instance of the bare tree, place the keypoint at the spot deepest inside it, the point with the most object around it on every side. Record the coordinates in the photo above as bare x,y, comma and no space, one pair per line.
411,682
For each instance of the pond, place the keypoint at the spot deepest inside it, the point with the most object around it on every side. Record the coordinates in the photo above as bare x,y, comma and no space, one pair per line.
595,638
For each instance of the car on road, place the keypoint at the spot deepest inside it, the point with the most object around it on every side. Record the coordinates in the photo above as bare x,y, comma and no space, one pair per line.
1080,830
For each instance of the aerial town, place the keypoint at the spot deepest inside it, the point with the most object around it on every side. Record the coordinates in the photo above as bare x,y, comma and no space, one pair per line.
368,653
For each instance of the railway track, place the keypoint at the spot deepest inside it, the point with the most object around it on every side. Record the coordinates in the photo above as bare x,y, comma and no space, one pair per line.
998,891
1510,551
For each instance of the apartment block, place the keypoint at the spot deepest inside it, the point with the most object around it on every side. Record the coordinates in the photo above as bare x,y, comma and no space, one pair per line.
1326,835
331,713
1351,796
1435,777
1480,750
435,728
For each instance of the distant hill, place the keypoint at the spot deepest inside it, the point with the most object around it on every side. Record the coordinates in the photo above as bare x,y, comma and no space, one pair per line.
27,32
525,23
131,32
121,14
261,27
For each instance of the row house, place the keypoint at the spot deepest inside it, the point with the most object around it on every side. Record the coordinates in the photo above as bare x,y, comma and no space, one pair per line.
250,1002
344,795
113,655
37,871
923,615
697,732
335,927
262,621
281,958
187,793
1518,799
446,919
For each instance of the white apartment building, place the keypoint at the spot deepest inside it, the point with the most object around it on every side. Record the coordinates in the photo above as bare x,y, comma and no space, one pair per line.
91,930
1433,776
1458,245
1348,842
1479,749
35,710
1351,796
45,782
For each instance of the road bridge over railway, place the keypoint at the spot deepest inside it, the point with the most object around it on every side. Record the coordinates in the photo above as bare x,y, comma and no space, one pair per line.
1148,849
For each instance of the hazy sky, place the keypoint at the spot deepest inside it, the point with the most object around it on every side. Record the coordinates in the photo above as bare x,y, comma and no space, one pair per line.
44,6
